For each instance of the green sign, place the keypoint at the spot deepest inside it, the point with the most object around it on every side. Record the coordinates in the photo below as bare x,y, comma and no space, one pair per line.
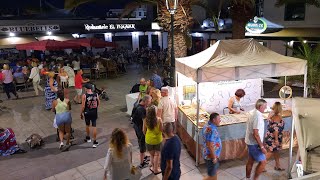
256,26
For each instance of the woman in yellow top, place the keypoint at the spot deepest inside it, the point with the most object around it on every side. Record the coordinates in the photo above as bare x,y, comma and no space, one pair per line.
62,106
152,128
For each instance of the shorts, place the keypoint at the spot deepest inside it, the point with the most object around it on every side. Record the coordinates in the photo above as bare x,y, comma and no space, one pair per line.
79,92
255,152
211,168
66,128
141,138
92,120
156,147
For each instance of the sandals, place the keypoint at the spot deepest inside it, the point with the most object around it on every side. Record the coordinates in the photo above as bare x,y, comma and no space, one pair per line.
278,169
154,172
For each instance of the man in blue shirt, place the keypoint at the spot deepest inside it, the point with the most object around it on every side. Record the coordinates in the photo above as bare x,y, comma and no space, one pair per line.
170,154
156,80
212,145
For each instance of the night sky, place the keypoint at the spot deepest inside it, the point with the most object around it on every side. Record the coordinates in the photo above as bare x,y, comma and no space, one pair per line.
95,8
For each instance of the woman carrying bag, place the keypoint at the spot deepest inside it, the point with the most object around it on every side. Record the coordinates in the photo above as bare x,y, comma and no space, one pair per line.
118,164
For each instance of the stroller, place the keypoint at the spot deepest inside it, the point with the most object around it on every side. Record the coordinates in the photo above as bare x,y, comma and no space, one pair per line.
100,91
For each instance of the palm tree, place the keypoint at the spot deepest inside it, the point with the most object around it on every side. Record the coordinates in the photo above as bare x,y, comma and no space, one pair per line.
182,21
241,12
312,55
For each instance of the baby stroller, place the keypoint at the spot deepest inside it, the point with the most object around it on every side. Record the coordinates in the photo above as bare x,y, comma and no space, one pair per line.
100,91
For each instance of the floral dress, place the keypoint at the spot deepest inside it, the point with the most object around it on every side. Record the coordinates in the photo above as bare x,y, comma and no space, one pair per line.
270,139
49,94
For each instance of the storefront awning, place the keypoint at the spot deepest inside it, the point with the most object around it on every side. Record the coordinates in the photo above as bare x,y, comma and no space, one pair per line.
11,42
291,32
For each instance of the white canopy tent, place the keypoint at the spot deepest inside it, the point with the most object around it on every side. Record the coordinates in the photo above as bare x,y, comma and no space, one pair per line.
306,117
238,60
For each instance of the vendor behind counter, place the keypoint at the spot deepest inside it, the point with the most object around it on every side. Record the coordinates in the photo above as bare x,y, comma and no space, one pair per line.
234,104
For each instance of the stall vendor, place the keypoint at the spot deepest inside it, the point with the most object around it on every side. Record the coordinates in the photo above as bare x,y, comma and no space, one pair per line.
234,104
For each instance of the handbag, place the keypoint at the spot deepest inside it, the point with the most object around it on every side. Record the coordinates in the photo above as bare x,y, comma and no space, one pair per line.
135,173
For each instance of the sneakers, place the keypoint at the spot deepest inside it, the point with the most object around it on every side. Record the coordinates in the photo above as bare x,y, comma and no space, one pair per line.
88,140
61,146
143,165
95,144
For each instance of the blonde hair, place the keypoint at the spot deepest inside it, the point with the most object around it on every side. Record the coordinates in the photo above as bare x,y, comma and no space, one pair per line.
50,74
6,67
277,108
118,140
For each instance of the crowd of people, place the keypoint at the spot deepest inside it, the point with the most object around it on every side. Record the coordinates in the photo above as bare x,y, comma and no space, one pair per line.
260,146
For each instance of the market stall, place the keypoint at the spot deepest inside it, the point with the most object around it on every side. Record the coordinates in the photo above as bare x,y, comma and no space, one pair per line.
227,61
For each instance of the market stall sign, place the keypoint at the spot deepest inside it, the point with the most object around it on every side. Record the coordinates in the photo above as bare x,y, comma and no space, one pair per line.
30,28
256,26
90,27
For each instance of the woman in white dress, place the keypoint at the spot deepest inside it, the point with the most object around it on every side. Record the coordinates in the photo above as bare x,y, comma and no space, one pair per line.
119,157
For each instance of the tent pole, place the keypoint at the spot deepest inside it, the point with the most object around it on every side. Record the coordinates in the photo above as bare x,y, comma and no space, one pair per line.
291,149
305,89
285,83
197,128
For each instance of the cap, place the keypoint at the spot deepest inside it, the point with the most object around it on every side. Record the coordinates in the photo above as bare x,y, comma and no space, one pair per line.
88,86
164,89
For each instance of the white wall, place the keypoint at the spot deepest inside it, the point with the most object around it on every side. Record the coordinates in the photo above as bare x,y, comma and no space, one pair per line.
276,15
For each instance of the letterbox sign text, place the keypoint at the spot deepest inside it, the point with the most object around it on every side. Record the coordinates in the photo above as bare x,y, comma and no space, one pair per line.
256,26
90,27
30,28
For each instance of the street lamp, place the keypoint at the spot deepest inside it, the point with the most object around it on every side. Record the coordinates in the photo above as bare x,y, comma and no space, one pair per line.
172,8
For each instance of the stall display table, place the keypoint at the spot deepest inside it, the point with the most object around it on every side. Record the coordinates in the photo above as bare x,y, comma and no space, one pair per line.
130,100
232,132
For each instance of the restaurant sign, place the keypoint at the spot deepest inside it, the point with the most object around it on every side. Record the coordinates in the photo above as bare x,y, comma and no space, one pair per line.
90,27
30,28
256,26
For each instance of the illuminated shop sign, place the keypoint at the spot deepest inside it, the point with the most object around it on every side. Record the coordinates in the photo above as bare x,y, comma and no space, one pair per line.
256,26
30,28
90,27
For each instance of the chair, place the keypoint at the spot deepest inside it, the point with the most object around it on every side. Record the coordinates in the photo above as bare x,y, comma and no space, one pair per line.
226,109
86,72
21,82
102,72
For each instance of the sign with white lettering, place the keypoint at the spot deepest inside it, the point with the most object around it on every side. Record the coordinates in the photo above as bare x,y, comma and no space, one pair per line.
90,27
30,28
256,26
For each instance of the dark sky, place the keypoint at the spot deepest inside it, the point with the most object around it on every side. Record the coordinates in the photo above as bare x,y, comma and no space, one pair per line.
96,8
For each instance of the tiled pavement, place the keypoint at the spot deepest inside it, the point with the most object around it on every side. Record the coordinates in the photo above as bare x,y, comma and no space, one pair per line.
27,116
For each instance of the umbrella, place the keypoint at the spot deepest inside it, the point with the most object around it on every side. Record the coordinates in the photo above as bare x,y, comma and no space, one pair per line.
92,42
50,45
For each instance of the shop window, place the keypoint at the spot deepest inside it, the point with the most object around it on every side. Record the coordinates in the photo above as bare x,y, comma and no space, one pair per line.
295,12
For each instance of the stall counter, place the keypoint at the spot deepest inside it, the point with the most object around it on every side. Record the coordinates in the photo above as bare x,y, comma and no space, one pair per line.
232,131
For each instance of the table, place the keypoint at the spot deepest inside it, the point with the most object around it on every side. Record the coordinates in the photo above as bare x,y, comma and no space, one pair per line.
232,134
130,100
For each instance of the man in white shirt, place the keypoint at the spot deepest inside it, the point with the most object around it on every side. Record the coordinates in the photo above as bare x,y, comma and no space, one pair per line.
254,139
35,76
76,64
167,108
